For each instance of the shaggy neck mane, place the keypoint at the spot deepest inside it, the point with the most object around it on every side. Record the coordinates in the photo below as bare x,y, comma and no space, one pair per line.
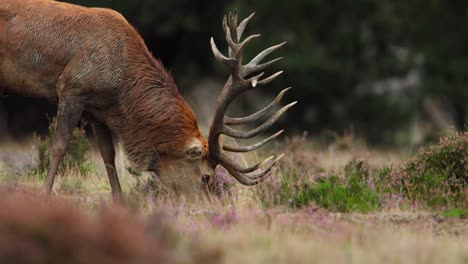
157,120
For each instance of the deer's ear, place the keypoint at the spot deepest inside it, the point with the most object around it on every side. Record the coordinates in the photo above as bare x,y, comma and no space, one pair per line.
194,152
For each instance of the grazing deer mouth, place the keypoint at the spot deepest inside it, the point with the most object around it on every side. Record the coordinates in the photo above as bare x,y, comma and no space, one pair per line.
153,174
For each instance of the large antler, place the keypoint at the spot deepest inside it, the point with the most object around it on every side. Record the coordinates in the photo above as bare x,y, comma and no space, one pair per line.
238,83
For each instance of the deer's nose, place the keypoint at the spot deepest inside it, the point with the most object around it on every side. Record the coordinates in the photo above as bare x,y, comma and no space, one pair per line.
206,179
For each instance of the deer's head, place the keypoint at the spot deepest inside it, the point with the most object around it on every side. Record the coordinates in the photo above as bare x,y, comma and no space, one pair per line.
198,159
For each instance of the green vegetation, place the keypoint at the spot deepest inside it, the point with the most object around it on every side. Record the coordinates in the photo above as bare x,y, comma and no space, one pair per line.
71,184
330,193
77,158
352,192
456,212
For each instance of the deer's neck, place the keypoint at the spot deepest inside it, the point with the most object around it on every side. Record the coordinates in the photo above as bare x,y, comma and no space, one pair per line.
155,121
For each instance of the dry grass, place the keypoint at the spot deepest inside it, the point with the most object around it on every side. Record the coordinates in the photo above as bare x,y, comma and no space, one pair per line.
322,238
240,229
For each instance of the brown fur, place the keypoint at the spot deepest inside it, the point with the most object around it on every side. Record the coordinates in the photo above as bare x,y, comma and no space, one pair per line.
57,50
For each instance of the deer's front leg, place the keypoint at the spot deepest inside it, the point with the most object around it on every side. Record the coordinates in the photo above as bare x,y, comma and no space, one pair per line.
68,115
106,147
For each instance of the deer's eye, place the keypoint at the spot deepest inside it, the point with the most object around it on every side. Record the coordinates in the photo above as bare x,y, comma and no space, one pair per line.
194,152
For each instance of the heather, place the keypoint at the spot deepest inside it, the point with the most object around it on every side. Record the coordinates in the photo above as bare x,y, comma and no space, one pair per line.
33,230
436,177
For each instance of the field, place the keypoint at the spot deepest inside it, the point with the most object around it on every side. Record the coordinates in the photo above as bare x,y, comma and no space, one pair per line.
334,202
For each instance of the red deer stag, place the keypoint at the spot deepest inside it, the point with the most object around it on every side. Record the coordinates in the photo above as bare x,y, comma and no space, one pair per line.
93,63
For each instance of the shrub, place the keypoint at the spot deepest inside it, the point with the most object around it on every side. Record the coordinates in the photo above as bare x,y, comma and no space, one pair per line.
77,156
447,159
436,177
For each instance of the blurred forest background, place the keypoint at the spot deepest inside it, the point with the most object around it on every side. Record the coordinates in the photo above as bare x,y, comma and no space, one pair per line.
392,71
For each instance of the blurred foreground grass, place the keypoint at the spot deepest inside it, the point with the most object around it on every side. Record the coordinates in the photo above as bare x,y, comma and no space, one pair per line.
334,203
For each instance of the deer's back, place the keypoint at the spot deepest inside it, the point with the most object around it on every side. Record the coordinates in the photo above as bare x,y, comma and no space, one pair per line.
42,40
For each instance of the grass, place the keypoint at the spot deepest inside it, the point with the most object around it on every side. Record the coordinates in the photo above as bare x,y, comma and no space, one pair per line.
456,212
322,205
331,193
352,191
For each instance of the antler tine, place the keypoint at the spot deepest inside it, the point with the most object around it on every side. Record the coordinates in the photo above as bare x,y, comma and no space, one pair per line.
254,117
229,40
254,178
219,56
233,25
240,49
226,160
233,38
254,132
250,69
256,79
264,53
251,147
242,179
269,79
243,24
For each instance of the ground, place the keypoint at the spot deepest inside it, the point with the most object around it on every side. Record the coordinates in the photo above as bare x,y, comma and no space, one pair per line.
239,228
